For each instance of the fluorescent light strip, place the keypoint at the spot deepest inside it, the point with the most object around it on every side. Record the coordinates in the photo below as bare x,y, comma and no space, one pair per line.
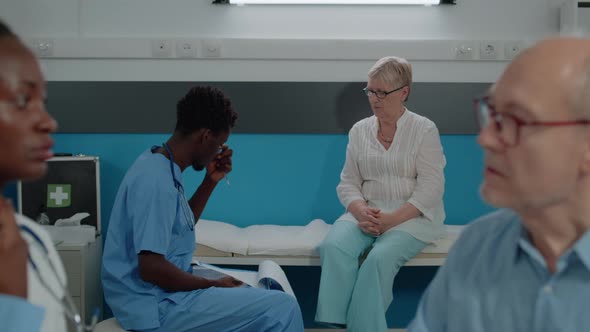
335,2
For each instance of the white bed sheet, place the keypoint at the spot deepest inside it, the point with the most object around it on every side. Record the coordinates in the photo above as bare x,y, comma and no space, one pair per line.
443,245
285,240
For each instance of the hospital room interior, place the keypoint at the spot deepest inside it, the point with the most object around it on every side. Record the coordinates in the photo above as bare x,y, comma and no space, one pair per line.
295,73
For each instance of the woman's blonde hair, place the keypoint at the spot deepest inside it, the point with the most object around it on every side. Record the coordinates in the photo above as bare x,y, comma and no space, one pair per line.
393,70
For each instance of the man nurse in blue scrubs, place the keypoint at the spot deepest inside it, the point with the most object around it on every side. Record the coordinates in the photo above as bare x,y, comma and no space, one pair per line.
150,242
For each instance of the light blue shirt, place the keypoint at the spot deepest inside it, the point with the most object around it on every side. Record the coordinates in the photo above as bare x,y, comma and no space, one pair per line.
147,215
496,280
17,314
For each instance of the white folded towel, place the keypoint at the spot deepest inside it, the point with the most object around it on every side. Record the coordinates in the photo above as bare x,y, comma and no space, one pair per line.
262,239
286,240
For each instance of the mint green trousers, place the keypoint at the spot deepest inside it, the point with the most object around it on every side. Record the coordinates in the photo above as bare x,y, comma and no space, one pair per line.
359,296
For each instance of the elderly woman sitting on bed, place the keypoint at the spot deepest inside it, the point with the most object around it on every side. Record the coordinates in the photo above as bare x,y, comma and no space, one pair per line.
392,185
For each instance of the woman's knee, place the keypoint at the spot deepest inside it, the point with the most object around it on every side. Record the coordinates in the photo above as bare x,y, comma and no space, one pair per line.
329,245
341,238
383,260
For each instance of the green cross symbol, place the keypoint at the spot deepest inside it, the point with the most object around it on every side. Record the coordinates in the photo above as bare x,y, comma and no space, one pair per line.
59,195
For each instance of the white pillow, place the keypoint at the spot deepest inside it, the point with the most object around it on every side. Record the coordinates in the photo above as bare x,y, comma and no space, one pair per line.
221,236
286,240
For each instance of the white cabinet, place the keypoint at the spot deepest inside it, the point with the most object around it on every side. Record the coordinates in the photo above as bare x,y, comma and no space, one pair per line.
82,264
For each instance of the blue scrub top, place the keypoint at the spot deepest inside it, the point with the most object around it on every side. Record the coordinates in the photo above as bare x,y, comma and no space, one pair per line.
147,215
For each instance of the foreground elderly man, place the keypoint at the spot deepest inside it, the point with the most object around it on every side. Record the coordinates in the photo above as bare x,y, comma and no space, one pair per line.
526,267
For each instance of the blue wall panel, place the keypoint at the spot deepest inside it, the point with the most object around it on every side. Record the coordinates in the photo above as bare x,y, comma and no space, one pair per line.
279,179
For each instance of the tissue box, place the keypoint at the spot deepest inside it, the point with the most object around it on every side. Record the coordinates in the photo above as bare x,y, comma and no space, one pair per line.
71,234
71,185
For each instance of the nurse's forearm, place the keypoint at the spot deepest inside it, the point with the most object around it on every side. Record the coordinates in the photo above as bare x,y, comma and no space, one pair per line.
200,197
155,269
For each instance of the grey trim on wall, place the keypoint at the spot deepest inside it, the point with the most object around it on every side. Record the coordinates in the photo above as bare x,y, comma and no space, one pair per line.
263,107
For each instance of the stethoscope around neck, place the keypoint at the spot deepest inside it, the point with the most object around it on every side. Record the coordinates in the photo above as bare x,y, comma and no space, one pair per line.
186,210
67,303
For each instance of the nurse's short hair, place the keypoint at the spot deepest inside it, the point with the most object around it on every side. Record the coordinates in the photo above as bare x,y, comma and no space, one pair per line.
394,71
204,107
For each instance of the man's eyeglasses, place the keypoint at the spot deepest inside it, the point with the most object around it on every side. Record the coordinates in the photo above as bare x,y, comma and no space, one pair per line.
507,125
380,94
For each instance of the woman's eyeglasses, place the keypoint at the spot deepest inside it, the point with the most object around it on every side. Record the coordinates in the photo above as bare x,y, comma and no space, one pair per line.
380,94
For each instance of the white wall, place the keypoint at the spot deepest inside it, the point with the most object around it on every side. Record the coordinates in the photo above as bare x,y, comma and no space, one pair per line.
73,22
584,21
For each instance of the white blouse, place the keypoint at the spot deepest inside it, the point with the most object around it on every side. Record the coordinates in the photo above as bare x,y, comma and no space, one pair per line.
54,320
410,171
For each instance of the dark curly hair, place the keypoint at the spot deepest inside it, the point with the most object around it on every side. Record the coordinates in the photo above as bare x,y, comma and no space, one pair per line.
204,107
5,30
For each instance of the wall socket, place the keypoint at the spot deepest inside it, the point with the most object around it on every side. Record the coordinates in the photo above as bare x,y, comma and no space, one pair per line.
43,47
186,48
211,48
490,50
512,48
464,51
161,48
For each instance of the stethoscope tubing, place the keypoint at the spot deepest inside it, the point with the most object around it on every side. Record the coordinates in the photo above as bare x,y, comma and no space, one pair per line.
190,220
69,307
